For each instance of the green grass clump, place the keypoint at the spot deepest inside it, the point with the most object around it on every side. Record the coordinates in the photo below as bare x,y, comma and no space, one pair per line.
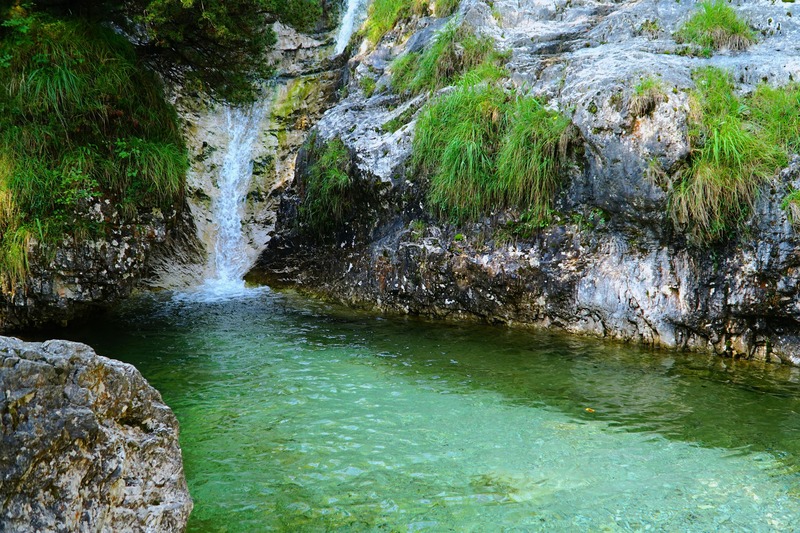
445,8
456,142
777,111
647,94
485,150
530,158
80,120
731,154
384,15
368,85
327,190
716,26
455,50
791,204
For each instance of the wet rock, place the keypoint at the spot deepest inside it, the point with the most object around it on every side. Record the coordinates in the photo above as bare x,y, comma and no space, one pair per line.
74,277
86,444
627,274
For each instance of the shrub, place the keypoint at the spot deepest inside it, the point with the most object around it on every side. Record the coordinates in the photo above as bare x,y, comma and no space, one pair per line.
715,26
730,156
327,190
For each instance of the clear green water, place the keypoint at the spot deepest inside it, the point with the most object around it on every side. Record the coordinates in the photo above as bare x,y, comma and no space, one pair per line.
296,416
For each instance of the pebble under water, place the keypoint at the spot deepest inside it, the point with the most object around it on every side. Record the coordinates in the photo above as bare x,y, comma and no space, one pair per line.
300,416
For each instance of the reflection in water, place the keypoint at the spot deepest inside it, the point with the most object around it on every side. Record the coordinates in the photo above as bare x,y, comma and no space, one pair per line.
300,416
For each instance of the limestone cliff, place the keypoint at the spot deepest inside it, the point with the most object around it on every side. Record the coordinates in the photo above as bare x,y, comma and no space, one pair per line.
612,263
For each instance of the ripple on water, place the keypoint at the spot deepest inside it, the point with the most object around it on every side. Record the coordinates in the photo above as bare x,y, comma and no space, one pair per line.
298,416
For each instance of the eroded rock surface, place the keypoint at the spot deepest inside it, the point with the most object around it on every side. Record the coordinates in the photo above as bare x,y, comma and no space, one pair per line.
87,444
73,278
612,264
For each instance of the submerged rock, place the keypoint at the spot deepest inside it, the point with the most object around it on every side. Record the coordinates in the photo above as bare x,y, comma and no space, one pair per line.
87,444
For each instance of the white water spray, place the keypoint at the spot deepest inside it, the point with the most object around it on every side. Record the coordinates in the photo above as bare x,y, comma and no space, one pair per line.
229,261
353,17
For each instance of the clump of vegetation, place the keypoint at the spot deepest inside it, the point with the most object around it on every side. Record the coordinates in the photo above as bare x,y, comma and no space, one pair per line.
456,141
731,153
716,26
80,120
777,111
647,95
327,190
530,158
455,50
650,28
384,15
791,204
484,150
368,85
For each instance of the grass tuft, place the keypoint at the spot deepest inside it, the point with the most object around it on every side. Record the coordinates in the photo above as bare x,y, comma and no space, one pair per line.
731,155
327,190
454,51
529,162
716,26
647,95
485,150
383,15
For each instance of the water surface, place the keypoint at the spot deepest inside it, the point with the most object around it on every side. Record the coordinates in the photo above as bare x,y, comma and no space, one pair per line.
298,416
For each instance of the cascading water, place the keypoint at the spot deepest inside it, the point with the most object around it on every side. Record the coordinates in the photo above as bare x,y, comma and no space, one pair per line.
229,260
353,17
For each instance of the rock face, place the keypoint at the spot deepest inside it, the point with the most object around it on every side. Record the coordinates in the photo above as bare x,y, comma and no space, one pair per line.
87,444
75,278
274,128
612,264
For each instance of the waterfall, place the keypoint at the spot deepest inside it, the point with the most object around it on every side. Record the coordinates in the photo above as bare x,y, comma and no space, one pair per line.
353,17
229,259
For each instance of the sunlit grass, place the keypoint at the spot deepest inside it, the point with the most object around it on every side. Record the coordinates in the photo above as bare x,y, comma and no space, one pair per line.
731,156
454,51
485,150
715,26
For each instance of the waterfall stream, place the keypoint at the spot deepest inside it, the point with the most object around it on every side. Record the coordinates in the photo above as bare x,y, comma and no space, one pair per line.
353,17
229,260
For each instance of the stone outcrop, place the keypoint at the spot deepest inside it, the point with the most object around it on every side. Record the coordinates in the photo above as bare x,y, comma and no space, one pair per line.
612,264
86,444
76,277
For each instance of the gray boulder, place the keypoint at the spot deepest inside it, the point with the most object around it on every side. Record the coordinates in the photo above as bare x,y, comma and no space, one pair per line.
86,444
